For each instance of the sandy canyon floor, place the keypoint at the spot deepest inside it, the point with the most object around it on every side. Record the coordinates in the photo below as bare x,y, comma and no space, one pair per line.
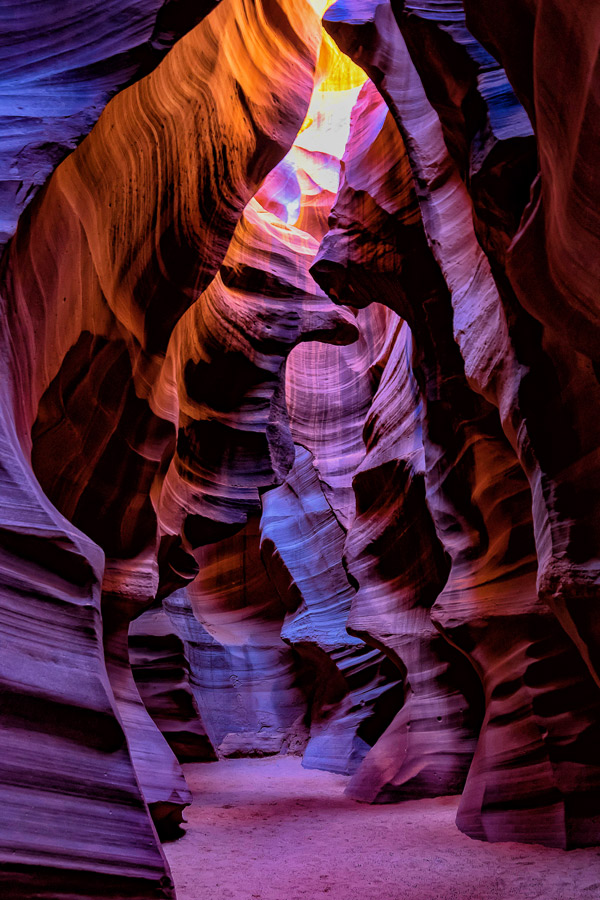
270,830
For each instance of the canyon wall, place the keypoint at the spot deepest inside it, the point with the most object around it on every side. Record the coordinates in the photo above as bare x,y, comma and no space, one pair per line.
504,398
124,238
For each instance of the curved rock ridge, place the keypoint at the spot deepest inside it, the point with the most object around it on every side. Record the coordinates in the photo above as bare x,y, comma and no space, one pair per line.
114,332
561,229
301,190
486,130
230,351
444,202
328,388
302,543
376,248
508,357
378,526
104,263
550,50
556,438
465,364
162,676
232,384
248,684
375,194
328,393
127,587
393,554
61,729
60,63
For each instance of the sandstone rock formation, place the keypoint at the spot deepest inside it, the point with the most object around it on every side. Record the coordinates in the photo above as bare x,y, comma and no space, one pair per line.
161,671
394,555
304,347
229,353
56,80
494,428
247,683
126,585
302,545
84,336
550,52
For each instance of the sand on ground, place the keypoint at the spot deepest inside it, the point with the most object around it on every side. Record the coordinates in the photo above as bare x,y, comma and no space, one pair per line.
267,829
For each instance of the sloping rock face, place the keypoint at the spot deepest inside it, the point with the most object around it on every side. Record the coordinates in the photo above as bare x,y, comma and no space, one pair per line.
303,346
560,228
302,545
161,671
550,53
249,686
496,471
256,696
395,556
55,80
105,261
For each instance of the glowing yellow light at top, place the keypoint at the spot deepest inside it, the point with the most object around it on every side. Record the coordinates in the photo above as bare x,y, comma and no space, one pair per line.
309,175
335,73
339,72
321,6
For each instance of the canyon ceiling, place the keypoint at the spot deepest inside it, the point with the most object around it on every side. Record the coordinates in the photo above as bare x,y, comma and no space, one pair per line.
299,415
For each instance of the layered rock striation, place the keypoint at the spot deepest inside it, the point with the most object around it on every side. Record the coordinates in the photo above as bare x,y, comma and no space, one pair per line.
162,674
299,376
124,238
489,451
60,65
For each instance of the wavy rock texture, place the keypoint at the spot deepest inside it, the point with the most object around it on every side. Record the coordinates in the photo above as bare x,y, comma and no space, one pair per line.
394,555
556,438
486,130
370,508
60,65
230,352
162,676
269,304
271,240
329,392
61,731
83,346
302,545
550,51
561,229
248,685
234,441
476,489
377,247
129,585
133,300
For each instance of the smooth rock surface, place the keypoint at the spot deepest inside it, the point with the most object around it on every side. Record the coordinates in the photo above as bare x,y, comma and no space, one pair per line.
60,63
305,347
476,362
162,676
105,261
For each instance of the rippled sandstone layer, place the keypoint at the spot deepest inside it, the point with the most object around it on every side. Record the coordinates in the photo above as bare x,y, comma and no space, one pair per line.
367,498
127,234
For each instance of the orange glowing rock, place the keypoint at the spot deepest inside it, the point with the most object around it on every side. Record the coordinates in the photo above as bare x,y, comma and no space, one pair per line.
124,238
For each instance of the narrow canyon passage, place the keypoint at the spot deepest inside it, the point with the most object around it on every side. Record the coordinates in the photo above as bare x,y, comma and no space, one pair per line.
300,450
267,829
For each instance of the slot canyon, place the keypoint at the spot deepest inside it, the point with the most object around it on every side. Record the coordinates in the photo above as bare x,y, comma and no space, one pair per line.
299,463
